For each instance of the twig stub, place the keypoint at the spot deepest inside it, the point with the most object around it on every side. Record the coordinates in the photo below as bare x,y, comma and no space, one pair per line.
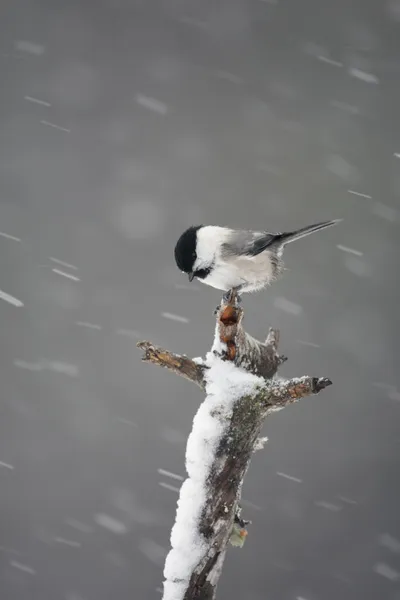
242,349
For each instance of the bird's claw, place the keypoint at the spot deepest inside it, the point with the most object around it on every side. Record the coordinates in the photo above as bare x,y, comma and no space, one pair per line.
232,295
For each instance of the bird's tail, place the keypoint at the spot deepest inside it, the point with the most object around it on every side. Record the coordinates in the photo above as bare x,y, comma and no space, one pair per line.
291,236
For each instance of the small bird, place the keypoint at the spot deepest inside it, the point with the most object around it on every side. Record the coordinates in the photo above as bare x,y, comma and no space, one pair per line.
233,259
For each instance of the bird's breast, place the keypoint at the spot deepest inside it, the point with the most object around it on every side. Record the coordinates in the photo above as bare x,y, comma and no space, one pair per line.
250,273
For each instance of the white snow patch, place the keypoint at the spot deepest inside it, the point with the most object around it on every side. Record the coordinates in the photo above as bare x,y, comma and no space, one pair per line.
127,421
131,333
6,465
360,194
290,477
75,524
287,306
349,108
198,360
152,104
30,366
63,263
385,212
71,543
67,275
396,154
389,542
61,367
37,101
225,384
349,250
219,348
260,443
311,344
30,47
168,486
385,571
48,365
363,75
152,551
340,167
170,474
329,61
9,237
22,567
231,77
55,126
173,317
273,409
328,505
10,299
357,266
88,325
383,385
110,523
347,500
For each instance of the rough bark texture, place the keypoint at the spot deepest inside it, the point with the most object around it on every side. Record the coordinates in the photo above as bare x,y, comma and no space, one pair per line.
234,453
245,351
181,365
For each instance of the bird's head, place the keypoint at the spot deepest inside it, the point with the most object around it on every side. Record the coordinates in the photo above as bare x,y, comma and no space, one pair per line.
194,254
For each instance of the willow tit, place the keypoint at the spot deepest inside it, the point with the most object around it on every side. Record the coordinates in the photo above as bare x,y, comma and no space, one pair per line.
229,259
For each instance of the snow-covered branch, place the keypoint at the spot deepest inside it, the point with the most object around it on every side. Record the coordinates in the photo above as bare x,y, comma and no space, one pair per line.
238,375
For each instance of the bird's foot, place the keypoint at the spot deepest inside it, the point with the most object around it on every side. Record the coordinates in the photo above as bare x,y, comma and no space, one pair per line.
232,295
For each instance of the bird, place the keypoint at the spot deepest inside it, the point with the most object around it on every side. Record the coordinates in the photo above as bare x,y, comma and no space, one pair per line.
236,260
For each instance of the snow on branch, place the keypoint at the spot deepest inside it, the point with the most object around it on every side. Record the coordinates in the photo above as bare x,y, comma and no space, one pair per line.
239,378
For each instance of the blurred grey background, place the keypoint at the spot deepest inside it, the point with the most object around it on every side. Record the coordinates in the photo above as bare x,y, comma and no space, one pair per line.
122,122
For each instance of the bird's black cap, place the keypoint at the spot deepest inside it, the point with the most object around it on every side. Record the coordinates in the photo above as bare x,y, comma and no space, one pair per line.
185,249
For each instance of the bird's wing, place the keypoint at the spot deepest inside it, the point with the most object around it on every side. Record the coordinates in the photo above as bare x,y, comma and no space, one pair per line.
249,243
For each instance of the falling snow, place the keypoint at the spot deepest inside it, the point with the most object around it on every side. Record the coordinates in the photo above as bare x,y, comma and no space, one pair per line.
121,126
110,523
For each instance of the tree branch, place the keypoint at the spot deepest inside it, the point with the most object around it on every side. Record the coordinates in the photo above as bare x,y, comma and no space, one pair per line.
238,376
243,349
286,391
179,364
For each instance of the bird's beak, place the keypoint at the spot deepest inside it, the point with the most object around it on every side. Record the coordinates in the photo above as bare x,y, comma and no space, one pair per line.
191,276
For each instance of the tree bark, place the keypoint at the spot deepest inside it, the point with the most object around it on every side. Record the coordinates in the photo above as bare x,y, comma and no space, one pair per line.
233,453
